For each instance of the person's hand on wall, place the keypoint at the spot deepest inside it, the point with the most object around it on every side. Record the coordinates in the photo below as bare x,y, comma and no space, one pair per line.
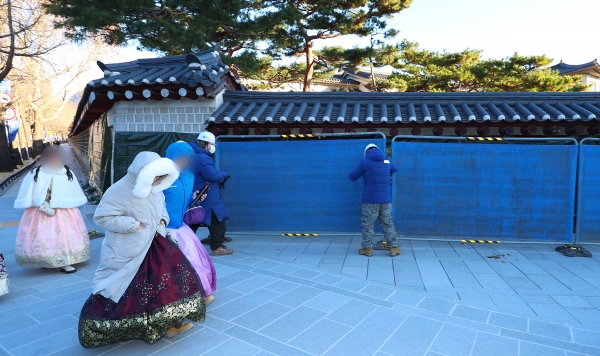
222,184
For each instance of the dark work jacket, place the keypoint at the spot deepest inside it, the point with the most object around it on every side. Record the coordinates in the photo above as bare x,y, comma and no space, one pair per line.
375,169
204,170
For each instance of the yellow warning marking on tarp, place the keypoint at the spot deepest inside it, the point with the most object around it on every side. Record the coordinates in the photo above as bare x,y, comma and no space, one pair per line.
296,234
298,136
480,241
484,138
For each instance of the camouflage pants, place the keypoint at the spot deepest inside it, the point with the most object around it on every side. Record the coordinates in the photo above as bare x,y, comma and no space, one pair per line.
370,213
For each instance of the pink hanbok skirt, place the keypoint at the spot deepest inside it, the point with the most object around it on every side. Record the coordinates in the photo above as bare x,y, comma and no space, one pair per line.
52,241
192,248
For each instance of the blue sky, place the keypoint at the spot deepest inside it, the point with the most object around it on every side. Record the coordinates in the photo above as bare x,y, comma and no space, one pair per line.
561,29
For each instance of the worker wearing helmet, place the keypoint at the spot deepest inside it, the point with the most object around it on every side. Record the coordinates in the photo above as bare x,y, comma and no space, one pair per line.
376,169
204,169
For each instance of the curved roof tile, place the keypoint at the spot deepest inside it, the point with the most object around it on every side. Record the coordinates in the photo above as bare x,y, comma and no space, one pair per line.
378,108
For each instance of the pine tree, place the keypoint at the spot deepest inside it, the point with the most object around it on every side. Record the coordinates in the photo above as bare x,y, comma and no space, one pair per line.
420,70
168,26
296,25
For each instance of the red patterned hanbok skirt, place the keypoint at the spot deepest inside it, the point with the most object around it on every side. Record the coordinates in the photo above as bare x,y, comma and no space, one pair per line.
165,291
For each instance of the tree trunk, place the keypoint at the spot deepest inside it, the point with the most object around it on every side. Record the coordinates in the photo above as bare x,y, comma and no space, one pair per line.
371,62
373,76
37,125
23,142
6,162
309,66
8,64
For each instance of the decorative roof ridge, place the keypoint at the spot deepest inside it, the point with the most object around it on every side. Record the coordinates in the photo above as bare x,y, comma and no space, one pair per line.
151,62
566,65
365,96
563,67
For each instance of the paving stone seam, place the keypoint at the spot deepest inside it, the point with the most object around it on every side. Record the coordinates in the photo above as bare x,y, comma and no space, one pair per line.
248,268
328,288
462,325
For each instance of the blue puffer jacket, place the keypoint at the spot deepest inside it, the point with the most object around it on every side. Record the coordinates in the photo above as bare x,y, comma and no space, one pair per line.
204,169
376,169
179,196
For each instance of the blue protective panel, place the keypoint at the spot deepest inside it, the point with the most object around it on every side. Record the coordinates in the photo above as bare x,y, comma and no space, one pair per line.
588,191
293,186
509,191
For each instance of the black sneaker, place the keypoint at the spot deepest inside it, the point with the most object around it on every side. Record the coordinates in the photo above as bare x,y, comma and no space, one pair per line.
206,241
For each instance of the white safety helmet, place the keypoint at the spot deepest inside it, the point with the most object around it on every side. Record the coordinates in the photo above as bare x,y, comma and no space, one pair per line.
369,146
207,137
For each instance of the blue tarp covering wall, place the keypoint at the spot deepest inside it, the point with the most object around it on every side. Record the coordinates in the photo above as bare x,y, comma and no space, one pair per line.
295,185
588,191
510,190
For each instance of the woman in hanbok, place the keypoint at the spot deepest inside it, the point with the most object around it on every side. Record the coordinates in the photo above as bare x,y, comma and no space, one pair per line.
52,232
144,286
178,197
3,277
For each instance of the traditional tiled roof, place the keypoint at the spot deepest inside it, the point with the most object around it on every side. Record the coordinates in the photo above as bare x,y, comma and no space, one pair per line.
379,108
564,68
203,68
338,79
201,74
367,74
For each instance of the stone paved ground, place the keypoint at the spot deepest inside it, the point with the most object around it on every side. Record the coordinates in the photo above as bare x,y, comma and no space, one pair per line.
305,296
525,279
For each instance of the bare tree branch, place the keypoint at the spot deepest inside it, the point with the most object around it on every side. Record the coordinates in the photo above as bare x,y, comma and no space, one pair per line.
8,63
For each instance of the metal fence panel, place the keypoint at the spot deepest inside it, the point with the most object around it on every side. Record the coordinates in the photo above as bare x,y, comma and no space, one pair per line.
297,185
588,191
515,189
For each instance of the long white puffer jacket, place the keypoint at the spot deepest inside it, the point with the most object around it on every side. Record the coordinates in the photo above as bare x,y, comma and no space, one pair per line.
133,200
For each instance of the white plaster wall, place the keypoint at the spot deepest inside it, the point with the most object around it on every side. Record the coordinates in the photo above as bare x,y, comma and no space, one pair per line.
184,115
595,82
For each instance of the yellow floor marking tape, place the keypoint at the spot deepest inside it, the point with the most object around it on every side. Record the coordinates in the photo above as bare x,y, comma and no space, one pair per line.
480,241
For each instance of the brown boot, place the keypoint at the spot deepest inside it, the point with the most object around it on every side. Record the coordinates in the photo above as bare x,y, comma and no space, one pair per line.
222,251
366,251
394,251
176,331
208,300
